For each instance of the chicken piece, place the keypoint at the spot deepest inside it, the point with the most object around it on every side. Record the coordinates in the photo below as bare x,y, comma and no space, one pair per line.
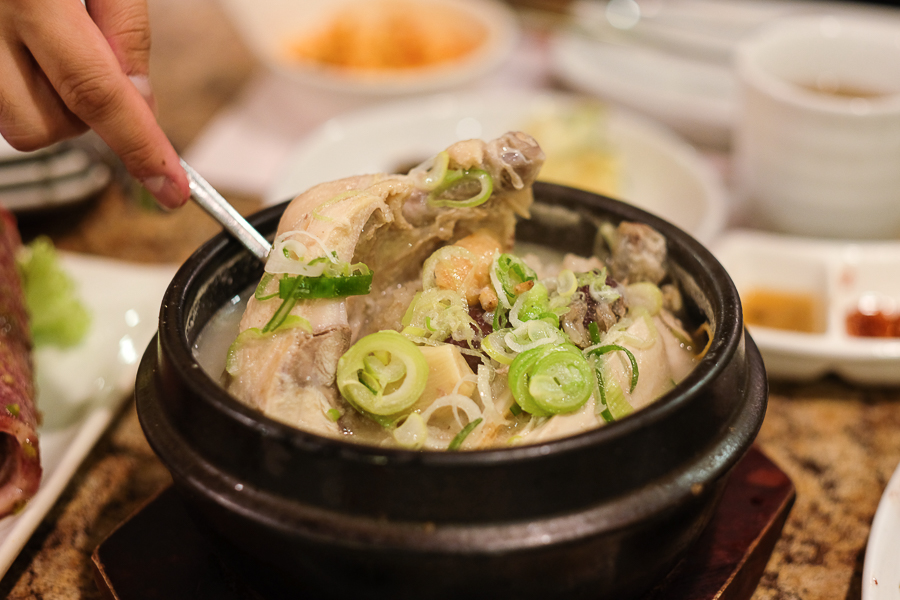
661,364
638,253
560,426
451,274
385,222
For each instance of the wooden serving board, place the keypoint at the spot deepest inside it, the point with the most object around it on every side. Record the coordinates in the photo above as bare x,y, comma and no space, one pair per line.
158,553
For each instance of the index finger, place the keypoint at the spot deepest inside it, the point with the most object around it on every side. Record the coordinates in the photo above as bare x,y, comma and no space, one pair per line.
83,69
126,26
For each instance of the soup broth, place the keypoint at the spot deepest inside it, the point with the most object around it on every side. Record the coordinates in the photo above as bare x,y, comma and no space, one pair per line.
212,346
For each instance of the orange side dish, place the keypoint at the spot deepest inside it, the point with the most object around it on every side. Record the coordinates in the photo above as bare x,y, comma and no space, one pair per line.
379,35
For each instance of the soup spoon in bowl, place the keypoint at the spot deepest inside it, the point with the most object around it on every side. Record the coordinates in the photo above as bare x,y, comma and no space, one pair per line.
221,210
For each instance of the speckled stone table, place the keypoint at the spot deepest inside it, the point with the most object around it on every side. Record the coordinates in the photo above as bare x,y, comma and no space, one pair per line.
838,443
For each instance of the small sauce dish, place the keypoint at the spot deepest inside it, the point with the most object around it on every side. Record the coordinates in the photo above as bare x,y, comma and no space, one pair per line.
844,283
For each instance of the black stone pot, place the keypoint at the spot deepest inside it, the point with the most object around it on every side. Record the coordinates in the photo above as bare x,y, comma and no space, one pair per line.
604,514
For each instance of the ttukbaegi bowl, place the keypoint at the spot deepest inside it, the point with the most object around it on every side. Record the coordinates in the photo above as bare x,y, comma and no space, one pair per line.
603,514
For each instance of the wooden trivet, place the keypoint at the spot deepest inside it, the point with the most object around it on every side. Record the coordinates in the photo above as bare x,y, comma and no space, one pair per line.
159,554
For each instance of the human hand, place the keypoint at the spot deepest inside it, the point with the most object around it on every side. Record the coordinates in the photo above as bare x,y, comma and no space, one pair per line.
65,69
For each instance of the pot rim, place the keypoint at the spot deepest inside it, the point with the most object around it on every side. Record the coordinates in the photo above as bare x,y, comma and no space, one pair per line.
722,296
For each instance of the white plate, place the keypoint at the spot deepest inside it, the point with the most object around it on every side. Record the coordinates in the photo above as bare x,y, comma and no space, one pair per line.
881,570
56,192
673,61
269,27
695,98
661,173
8,153
839,274
80,389
44,167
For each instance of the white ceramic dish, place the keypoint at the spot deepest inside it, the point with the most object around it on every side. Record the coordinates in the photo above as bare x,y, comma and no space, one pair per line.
44,168
881,570
660,171
268,27
673,61
820,164
56,192
80,389
839,274
695,98
8,153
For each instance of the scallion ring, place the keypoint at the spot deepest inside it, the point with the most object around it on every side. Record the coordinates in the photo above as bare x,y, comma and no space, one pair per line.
456,190
616,348
550,380
382,374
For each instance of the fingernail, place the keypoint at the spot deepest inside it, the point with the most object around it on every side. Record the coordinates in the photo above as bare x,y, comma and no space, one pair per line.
142,84
165,190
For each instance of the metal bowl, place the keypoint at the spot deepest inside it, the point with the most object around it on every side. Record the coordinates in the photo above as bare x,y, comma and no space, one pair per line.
603,514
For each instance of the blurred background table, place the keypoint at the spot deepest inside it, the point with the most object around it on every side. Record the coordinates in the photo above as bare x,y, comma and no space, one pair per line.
839,443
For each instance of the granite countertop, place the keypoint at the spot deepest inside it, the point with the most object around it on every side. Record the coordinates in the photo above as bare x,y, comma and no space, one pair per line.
839,443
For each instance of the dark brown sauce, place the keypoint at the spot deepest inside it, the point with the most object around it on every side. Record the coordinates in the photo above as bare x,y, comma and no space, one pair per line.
791,311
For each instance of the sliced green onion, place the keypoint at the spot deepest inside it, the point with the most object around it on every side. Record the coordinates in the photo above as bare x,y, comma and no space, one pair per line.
566,283
457,183
414,332
534,305
300,287
594,331
431,173
495,347
333,414
561,382
260,293
507,273
412,433
551,379
457,441
382,374
612,395
531,334
410,310
607,416
287,304
597,287
646,295
616,348
500,320
438,314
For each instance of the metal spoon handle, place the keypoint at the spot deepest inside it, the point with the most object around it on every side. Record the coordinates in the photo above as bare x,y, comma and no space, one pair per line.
218,207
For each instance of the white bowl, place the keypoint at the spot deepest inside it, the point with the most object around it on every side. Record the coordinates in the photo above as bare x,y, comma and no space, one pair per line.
660,172
270,26
821,163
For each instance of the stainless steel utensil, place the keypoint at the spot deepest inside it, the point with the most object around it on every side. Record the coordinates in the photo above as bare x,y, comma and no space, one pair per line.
218,207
